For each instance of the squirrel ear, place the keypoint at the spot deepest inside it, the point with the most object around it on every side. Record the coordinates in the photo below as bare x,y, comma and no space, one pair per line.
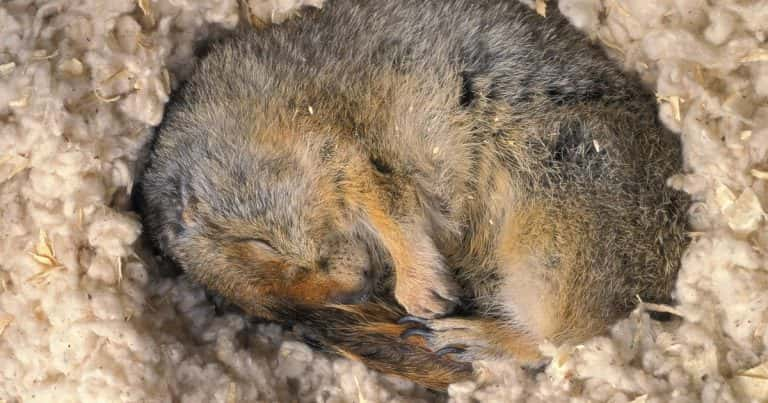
178,217
187,202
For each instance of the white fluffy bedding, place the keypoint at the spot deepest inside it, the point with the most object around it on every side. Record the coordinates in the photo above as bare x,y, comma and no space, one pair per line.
83,318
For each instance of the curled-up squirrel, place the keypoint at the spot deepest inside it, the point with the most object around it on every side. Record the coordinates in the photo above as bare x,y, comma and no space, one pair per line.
418,183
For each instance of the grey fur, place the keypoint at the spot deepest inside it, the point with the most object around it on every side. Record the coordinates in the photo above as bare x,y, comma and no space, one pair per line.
468,115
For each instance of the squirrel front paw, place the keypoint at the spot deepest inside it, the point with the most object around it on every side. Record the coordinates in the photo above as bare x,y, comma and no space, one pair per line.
432,295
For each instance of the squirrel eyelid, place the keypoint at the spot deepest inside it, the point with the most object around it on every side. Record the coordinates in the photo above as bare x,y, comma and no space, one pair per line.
260,243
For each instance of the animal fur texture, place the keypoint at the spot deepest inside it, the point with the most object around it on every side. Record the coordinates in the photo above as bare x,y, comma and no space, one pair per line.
486,171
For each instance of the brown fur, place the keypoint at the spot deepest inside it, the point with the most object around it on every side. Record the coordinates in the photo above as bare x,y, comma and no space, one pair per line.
322,175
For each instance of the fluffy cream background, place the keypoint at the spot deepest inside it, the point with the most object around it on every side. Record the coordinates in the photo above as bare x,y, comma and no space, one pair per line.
82,318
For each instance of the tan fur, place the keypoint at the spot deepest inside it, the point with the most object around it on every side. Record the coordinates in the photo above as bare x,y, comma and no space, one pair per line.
502,200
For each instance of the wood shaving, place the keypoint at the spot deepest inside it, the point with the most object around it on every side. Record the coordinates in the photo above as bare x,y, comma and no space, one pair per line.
757,55
166,81
759,372
41,278
42,54
360,397
145,7
119,264
232,393
73,67
752,383
618,6
104,99
7,68
674,101
648,306
661,308
44,247
541,7
80,217
5,321
45,255
247,13
144,41
113,76
11,165
20,102
724,197
147,13
610,44
759,174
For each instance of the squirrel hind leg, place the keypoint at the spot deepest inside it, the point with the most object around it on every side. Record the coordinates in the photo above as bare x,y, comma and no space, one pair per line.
548,285
549,304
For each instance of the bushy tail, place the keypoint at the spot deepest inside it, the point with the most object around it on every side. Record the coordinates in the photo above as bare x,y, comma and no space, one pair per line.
369,333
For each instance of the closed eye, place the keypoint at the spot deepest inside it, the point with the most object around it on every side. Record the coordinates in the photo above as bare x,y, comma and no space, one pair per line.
260,243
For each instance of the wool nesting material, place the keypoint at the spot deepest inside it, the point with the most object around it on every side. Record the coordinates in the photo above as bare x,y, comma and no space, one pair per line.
84,318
